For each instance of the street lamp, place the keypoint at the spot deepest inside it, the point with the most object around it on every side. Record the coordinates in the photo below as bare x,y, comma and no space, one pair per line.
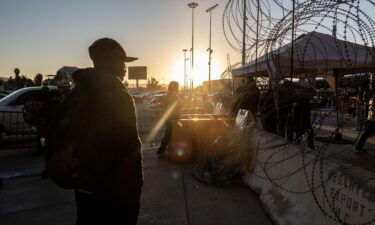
192,6
209,48
185,73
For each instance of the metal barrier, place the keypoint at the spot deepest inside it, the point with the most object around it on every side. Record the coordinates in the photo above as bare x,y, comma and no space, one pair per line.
14,131
147,119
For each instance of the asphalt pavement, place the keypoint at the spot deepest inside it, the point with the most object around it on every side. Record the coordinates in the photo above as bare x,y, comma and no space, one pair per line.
171,196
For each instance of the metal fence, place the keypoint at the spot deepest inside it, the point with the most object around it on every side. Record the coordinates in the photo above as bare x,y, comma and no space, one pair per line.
147,120
14,131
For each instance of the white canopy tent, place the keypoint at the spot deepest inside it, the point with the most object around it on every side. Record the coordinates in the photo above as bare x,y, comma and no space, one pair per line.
313,53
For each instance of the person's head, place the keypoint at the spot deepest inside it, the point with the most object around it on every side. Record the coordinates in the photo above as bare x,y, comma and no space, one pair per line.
63,87
17,71
173,87
108,55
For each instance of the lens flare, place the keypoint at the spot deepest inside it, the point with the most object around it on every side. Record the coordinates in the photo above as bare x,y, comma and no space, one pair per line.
161,122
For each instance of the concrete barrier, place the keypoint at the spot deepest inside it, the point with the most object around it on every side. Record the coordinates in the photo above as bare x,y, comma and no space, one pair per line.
299,186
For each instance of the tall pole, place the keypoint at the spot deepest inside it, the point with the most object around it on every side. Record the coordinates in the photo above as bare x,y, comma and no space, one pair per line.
209,57
256,49
210,47
185,73
192,5
292,53
244,34
257,40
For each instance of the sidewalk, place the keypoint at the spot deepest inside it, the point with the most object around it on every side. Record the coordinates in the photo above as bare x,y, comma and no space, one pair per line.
170,197
348,131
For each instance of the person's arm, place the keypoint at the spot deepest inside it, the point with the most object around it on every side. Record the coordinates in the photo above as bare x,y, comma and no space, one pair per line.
124,124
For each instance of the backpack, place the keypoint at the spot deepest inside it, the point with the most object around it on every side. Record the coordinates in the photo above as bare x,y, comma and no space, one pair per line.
72,158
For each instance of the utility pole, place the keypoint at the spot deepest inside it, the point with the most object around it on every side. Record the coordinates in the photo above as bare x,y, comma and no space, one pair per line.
210,47
244,34
192,6
292,53
185,73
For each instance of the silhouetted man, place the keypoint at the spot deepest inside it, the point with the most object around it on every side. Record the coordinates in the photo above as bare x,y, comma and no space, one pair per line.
171,108
96,124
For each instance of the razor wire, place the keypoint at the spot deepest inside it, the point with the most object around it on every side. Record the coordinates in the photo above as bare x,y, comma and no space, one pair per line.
324,29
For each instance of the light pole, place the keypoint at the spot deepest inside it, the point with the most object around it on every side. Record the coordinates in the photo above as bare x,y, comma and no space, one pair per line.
192,6
244,34
292,50
185,73
209,48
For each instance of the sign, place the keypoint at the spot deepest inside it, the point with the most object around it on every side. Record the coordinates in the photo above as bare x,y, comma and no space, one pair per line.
137,73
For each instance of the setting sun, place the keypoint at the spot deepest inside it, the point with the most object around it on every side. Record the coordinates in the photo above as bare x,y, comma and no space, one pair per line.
200,72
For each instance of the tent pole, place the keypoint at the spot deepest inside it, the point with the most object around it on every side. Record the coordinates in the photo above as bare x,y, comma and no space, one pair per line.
338,135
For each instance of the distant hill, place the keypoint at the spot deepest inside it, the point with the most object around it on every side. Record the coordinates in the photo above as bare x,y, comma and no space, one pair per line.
4,78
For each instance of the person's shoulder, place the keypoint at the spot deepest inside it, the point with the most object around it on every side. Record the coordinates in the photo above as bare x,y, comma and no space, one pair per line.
127,95
122,94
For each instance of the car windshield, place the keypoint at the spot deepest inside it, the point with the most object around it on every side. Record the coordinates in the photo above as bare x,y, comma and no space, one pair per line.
10,96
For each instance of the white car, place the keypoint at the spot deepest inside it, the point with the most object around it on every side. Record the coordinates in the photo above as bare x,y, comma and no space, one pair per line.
11,110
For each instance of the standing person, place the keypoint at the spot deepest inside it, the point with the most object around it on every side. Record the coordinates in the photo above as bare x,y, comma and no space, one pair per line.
50,104
369,129
34,116
93,146
171,108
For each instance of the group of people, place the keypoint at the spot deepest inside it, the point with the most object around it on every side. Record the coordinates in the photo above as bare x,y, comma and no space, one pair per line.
287,115
89,137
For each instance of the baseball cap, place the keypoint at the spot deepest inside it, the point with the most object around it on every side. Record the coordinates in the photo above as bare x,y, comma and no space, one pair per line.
106,49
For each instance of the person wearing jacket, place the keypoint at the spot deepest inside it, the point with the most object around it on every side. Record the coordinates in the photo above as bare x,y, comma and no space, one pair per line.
97,122
369,129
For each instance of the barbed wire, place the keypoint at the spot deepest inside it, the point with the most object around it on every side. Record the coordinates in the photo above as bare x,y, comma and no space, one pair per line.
328,35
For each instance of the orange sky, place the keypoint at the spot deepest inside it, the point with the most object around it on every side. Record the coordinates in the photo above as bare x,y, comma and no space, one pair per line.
42,35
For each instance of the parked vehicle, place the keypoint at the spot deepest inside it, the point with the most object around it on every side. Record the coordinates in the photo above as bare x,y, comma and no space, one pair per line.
2,95
157,101
11,110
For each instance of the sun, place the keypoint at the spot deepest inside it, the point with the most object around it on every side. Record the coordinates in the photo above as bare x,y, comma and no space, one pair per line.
200,72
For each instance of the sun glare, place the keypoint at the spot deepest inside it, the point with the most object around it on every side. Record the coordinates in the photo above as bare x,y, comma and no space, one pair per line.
200,72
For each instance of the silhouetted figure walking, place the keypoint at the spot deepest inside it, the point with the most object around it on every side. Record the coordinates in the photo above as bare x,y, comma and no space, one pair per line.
171,105
95,148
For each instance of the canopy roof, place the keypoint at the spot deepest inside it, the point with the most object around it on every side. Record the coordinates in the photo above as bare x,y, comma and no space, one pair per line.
313,53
